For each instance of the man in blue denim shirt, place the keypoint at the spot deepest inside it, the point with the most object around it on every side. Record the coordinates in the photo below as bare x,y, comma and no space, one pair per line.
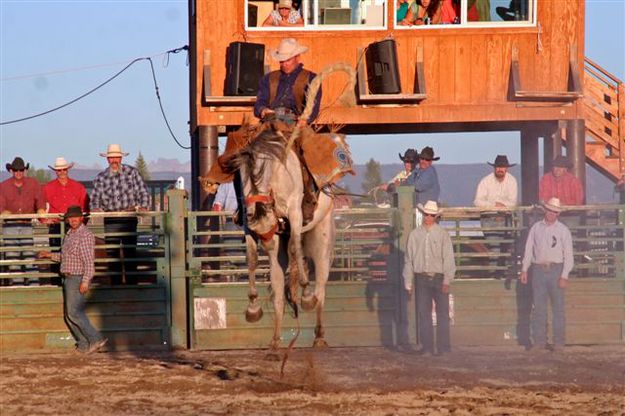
424,178
282,93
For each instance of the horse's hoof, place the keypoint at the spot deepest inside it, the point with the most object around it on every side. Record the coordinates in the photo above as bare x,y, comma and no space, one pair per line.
309,302
272,356
320,343
253,314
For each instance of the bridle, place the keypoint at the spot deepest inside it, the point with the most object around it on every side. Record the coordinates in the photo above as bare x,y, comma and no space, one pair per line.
265,199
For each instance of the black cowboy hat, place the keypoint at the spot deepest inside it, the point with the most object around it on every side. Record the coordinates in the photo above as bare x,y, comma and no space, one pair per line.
561,162
17,164
410,155
427,154
501,161
73,211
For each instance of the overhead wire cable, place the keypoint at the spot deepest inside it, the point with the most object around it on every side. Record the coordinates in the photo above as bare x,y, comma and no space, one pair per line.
102,84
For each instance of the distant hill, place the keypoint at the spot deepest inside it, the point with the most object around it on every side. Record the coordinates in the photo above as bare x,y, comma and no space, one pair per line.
458,182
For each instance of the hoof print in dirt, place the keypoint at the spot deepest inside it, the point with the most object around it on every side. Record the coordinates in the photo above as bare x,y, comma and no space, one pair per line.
272,356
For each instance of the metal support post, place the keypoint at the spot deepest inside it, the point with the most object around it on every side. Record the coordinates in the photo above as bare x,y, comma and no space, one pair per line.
407,319
175,233
575,149
530,169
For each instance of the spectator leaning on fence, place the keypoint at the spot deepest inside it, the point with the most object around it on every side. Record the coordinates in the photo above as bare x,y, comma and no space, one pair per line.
549,259
424,177
429,261
20,195
77,267
497,190
561,184
120,188
60,194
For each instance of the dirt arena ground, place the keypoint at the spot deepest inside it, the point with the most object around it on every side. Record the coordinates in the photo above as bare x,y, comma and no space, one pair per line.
336,381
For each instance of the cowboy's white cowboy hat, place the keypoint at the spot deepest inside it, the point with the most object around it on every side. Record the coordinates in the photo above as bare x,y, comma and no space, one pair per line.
61,163
285,4
430,207
287,49
114,150
553,205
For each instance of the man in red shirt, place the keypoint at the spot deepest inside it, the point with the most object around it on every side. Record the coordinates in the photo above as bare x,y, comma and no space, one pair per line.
561,184
20,195
62,193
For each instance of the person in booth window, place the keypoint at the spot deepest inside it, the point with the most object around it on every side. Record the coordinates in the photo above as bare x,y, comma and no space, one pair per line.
427,12
284,16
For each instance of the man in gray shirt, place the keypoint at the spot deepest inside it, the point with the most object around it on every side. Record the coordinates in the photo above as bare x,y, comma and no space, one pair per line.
429,261
549,252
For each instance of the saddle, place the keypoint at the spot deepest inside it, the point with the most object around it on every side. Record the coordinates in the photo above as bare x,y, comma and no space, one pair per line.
324,157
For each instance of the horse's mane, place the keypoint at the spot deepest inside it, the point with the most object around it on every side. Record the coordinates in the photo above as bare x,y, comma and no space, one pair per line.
269,144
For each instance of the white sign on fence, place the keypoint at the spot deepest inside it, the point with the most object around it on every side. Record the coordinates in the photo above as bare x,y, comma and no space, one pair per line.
209,313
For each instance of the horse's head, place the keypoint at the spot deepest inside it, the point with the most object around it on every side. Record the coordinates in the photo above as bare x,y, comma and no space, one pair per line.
255,165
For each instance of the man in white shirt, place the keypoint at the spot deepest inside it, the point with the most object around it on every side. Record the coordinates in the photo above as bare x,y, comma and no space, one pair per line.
497,190
429,260
549,252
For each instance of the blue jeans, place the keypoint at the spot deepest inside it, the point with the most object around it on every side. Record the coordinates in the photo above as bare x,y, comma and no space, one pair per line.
74,314
431,289
545,289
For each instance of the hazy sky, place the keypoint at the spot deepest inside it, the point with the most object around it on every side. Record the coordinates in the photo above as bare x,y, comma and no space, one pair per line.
53,51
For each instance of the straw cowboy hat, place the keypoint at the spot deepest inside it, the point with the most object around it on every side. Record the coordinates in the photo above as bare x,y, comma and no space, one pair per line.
501,161
72,212
287,49
114,150
561,162
430,207
61,163
553,205
410,155
428,154
17,164
285,4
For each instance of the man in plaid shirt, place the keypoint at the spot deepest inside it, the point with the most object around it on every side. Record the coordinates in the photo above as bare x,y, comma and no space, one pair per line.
76,258
120,188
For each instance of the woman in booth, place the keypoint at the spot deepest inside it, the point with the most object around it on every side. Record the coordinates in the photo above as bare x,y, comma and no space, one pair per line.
428,12
419,12
284,16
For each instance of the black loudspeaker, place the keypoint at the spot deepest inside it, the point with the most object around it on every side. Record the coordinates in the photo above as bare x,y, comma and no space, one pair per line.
382,68
245,66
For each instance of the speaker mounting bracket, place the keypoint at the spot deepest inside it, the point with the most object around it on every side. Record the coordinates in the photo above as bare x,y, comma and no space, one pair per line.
574,91
417,96
220,100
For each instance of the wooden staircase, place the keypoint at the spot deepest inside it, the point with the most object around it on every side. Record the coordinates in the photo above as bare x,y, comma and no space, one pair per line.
604,99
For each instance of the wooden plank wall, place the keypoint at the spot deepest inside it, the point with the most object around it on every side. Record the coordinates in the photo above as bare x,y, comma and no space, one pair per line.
31,318
466,70
366,313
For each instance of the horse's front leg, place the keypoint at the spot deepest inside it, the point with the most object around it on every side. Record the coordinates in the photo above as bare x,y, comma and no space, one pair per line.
296,254
254,310
277,288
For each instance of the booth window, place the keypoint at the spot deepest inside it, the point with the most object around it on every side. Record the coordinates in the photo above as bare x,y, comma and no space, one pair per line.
420,14
317,15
